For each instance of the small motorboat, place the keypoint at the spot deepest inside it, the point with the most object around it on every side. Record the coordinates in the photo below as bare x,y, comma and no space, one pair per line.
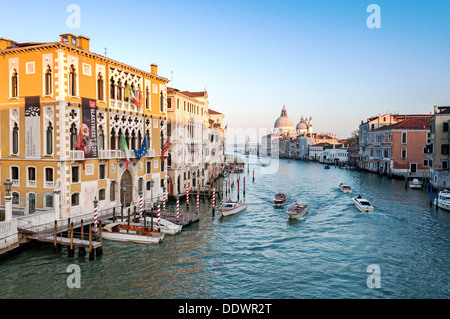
415,183
443,200
280,199
297,210
327,167
345,188
363,205
137,234
230,208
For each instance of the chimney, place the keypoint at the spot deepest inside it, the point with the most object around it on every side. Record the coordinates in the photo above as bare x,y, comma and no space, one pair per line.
435,109
83,42
154,68
4,43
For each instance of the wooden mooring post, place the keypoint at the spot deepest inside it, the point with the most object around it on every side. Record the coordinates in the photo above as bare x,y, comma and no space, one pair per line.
82,250
71,251
91,251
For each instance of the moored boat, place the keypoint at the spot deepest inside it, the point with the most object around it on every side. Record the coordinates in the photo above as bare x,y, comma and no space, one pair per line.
297,210
345,188
280,199
137,234
327,167
443,200
363,205
230,208
415,183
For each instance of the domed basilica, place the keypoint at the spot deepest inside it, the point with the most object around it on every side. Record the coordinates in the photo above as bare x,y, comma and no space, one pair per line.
283,125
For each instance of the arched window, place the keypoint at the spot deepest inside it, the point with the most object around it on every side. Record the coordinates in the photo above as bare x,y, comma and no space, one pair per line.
404,138
133,140
15,139
404,154
49,139
147,98
161,102
73,136
100,90
16,198
113,139
112,92
72,81
48,81
14,84
101,138
119,90
75,199
149,140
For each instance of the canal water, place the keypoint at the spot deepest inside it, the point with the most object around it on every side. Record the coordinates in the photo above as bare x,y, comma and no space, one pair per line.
260,253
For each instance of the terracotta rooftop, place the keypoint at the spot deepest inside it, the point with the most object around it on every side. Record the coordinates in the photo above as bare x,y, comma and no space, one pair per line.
213,112
412,123
194,94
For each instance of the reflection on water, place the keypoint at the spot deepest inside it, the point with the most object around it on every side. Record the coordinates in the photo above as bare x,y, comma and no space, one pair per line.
260,253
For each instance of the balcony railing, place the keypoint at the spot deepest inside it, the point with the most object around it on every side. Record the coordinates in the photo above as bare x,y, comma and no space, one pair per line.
76,155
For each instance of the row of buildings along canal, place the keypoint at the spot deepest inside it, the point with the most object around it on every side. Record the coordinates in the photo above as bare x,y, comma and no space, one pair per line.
395,145
79,127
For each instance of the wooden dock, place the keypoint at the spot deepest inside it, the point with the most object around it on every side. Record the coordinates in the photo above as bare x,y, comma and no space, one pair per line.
64,241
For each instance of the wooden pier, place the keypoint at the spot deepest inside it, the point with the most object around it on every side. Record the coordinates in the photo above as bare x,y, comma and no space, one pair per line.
58,240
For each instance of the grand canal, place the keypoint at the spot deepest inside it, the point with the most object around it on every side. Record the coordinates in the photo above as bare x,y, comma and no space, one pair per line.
259,253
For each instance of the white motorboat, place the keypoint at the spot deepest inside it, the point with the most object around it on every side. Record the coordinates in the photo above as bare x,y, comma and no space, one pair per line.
280,199
297,210
137,234
443,200
166,227
230,208
363,205
345,188
415,183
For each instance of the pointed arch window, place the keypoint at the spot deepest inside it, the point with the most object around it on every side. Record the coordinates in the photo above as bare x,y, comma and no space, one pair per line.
147,98
101,138
15,139
112,92
72,81
100,89
113,139
119,91
73,136
14,84
48,81
161,102
49,139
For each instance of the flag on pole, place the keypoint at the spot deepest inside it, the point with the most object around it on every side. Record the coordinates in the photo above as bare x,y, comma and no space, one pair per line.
127,92
165,148
143,150
80,145
124,148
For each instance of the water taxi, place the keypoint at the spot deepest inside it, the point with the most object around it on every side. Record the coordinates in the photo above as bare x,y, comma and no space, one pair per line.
280,199
230,208
137,234
443,200
415,183
363,205
297,210
345,188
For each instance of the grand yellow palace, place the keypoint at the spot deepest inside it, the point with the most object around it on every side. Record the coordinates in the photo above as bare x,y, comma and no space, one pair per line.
51,91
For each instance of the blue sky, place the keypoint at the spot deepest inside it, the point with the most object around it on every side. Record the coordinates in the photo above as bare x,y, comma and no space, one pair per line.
316,57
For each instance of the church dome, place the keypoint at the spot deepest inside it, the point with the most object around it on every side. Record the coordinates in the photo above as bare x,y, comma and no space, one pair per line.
302,125
284,122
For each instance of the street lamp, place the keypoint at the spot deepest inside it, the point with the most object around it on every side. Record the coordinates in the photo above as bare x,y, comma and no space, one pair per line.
8,185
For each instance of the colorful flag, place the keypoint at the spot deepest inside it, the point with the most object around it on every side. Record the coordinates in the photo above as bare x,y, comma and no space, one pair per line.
143,150
80,145
165,148
124,148
127,92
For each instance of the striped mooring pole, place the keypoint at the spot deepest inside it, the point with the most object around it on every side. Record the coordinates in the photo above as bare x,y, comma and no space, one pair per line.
164,198
214,199
95,213
159,213
187,194
140,204
198,200
178,207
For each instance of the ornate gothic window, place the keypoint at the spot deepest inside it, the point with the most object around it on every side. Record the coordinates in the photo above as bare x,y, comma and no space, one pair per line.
112,92
14,84
48,81
100,89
